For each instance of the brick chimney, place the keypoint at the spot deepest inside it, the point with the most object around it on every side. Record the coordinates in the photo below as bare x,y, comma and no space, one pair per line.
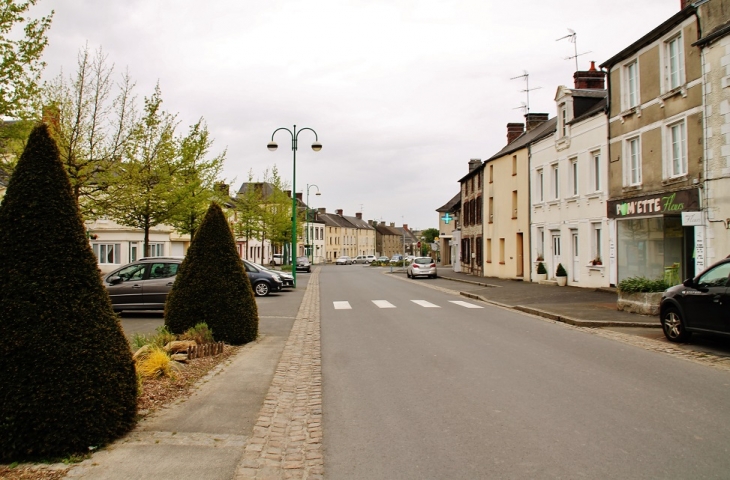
514,130
535,119
392,224
405,226
339,212
684,4
299,196
590,79
322,210
474,163
358,215
288,193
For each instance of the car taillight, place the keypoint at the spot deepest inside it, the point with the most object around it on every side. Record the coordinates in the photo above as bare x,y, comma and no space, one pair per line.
433,265
415,265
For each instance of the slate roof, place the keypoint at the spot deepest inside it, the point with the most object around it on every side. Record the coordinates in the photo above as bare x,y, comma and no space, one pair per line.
452,205
334,220
387,230
542,130
358,222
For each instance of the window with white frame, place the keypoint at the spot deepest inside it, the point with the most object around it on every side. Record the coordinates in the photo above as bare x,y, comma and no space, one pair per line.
156,250
540,185
574,177
555,181
676,140
107,252
563,120
595,180
597,239
632,164
674,62
540,243
631,84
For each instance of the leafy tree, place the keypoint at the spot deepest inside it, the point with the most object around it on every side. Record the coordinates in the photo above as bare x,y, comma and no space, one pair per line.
142,191
212,286
21,65
13,138
249,207
196,178
91,124
67,375
430,234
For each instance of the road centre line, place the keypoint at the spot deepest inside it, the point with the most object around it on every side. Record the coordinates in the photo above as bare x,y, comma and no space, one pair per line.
383,304
424,303
465,304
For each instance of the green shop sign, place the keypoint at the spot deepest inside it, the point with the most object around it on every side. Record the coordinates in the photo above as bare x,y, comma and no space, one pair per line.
662,204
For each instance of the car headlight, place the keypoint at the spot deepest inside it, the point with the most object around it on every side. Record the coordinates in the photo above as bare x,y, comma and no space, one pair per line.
278,279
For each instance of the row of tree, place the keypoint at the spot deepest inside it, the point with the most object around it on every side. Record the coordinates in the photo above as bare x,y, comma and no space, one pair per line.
125,163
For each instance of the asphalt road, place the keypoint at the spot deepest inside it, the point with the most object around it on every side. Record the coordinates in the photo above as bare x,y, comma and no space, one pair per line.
445,391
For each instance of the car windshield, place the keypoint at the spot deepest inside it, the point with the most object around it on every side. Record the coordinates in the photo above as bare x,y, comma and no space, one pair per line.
423,261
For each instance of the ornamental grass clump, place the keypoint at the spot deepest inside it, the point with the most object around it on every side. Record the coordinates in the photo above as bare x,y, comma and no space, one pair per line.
155,363
200,334
212,286
67,378
642,285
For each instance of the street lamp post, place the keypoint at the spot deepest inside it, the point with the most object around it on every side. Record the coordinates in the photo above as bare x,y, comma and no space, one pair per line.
316,146
311,260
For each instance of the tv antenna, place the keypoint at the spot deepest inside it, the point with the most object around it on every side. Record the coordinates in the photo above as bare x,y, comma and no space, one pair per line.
527,90
573,38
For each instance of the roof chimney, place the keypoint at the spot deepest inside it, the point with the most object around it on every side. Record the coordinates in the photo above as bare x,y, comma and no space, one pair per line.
359,215
590,79
288,193
322,210
405,226
392,224
514,130
684,4
223,188
339,212
474,163
535,119
299,196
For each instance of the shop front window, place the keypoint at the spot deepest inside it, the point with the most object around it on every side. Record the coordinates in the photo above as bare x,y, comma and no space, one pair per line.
647,247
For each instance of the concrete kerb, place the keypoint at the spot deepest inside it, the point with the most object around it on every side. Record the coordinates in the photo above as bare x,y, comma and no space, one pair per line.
552,316
287,438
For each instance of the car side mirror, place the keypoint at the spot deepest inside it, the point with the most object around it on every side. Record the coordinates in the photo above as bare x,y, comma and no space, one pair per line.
115,279
689,283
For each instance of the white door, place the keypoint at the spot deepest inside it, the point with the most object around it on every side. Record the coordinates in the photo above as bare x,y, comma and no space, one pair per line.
556,254
576,258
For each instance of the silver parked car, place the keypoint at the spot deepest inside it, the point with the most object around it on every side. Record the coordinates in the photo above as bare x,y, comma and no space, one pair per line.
421,267
343,260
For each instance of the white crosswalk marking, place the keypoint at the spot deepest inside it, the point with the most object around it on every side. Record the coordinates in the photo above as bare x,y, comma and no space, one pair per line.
424,303
342,305
465,304
383,304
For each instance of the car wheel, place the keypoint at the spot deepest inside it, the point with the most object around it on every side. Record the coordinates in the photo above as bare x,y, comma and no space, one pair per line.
674,326
309,269
261,289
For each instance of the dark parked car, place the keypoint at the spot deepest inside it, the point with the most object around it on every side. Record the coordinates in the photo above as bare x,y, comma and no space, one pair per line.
144,284
303,264
700,304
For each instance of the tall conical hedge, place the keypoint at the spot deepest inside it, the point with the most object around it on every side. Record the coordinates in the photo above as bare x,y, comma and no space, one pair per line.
212,286
67,380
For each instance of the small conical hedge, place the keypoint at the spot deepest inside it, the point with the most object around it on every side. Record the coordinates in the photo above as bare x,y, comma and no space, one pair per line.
212,286
67,379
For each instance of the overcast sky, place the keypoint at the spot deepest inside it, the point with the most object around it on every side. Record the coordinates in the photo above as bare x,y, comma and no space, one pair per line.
402,93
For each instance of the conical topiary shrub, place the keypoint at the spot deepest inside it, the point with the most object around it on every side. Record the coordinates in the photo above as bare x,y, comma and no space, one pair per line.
67,380
212,286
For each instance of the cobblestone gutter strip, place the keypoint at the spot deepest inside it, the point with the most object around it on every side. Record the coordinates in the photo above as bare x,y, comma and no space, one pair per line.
287,439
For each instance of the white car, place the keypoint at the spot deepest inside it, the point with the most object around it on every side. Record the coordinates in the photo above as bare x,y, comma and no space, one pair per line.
421,267
364,259
343,260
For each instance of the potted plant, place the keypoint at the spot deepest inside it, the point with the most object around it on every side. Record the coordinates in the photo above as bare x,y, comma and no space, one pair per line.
597,261
561,275
541,272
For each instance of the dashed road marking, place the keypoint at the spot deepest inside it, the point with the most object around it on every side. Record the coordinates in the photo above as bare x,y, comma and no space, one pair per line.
383,304
425,304
342,305
465,304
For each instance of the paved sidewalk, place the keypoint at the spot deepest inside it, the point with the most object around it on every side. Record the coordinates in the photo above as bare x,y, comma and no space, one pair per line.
222,431
577,306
